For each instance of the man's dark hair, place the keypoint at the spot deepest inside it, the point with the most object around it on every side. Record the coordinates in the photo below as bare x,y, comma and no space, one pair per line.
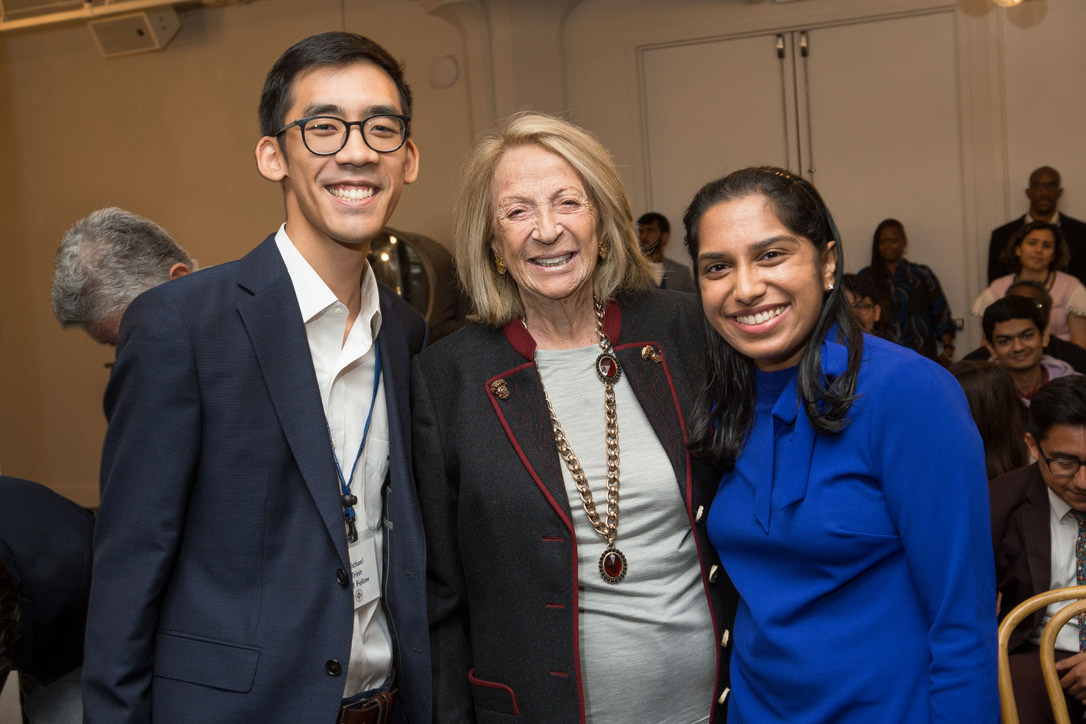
1046,169
1059,402
860,285
1039,287
1013,307
333,49
660,219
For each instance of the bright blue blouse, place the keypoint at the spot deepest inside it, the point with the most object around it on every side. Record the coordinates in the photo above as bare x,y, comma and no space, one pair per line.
864,559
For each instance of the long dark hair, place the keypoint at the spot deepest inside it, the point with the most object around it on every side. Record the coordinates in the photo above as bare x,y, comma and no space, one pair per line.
725,412
997,412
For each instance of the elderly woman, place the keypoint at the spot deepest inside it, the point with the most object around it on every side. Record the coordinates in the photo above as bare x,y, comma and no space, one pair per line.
853,516
569,572
1037,252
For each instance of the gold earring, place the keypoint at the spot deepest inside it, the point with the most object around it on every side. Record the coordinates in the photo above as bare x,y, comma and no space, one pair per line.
499,263
605,249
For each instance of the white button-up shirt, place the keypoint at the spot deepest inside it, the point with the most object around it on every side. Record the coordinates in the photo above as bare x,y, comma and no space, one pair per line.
345,375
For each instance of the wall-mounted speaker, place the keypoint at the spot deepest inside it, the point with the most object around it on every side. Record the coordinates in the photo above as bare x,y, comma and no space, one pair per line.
136,33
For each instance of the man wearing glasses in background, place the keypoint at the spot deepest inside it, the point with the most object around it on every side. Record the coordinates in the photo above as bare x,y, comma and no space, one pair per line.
258,553
1039,536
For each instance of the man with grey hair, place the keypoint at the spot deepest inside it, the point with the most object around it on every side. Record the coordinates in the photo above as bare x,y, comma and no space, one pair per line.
104,262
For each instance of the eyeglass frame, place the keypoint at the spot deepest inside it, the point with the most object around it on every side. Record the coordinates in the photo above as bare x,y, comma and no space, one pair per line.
1067,459
300,123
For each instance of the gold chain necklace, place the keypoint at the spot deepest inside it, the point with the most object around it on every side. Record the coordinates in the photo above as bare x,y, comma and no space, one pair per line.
612,561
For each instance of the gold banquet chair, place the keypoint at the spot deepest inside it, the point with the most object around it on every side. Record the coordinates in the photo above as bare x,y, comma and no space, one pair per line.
1048,648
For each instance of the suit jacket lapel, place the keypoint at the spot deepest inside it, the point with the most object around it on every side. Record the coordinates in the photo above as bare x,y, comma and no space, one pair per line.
1037,533
516,394
273,320
395,371
651,382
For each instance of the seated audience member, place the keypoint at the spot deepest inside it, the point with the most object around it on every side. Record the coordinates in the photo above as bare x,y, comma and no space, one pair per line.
862,297
45,568
914,308
1036,253
994,405
1060,349
1014,332
1044,193
1038,519
104,262
655,231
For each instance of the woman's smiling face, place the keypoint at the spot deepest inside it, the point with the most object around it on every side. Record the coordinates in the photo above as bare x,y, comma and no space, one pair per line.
762,285
545,228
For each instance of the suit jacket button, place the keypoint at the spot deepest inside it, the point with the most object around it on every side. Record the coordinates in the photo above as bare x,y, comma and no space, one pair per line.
714,573
332,667
700,514
341,576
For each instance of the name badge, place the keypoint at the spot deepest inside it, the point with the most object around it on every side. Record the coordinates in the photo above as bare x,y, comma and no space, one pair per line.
367,588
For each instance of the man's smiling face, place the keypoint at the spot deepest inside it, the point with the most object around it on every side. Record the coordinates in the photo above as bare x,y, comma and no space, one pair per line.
348,197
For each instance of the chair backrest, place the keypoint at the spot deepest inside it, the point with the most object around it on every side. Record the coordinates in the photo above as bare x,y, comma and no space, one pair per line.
1048,641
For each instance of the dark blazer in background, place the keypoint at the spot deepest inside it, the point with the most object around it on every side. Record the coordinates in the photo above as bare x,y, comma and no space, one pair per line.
45,543
220,589
1073,230
677,276
502,561
1022,543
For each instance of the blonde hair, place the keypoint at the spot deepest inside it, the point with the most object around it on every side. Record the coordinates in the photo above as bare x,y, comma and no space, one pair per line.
495,297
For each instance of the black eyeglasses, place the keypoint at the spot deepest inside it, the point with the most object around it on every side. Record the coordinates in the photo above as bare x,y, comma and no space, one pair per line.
1061,467
327,135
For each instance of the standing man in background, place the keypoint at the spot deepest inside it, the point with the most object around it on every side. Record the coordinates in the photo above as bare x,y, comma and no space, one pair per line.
1044,193
259,555
655,232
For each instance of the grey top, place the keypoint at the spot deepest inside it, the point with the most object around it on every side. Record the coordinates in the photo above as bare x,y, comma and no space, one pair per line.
648,652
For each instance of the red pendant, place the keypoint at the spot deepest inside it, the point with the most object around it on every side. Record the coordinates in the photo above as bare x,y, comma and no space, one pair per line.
612,565
607,368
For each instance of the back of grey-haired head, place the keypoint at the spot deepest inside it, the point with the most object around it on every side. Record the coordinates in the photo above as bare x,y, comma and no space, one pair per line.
108,259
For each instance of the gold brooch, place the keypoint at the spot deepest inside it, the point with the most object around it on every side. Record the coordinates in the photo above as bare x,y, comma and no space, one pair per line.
499,388
649,352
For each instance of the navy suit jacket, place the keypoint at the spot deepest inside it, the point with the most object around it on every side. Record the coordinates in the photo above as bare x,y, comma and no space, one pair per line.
1022,540
220,591
45,543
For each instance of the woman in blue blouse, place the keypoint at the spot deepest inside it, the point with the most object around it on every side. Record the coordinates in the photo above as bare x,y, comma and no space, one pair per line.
853,518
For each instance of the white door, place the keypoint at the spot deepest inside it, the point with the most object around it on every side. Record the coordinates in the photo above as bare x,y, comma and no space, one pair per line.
883,138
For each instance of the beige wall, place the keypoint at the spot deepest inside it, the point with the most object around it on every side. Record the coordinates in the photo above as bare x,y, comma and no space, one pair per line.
170,135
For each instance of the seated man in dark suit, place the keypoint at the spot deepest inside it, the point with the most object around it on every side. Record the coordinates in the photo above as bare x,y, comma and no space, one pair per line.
1038,520
655,232
45,570
1058,348
1044,197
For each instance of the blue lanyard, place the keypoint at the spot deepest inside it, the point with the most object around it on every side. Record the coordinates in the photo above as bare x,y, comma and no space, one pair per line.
348,499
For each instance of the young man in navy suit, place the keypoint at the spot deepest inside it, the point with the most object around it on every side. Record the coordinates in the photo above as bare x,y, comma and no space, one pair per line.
259,555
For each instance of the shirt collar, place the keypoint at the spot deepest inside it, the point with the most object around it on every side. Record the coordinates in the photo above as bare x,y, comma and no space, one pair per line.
1055,218
314,296
1058,505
